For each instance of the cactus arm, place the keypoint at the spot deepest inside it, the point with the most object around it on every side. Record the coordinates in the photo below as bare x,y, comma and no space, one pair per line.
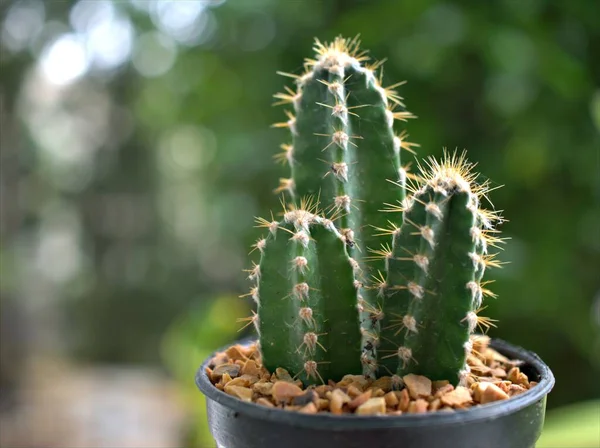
304,266
404,263
314,154
438,344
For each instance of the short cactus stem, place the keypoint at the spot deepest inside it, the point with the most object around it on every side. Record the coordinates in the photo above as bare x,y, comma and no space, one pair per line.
435,268
300,328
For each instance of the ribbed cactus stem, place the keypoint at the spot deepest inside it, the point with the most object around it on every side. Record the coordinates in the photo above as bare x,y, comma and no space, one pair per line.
434,274
344,152
306,294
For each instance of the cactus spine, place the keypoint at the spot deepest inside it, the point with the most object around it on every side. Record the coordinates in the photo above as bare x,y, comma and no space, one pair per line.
332,299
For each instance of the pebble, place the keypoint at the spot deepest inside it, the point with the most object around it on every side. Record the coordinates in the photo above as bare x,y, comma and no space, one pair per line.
337,400
435,404
437,385
373,406
458,397
234,353
444,390
310,408
263,388
418,406
243,393
265,402
404,400
418,386
251,368
360,400
383,383
232,369
244,381
391,399
284,391
309,396
353,391
283,375
492,393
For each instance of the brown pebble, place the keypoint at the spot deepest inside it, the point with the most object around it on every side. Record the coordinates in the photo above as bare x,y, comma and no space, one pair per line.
284,391
533,384
219,359
244,381
418,406
373,406
498,372
493,355
417,385
444,390
263,388
435,404
384,383
322,390
251,368
404,400
394,412
353,391
360,400
437,385
243,393
310,396
234,353
350,379
377,392
322,404
337,400
283,375
481,370
391,399
478,389
310,408
265,402
517,377
515,389
492,393
232,369
458,397
225,379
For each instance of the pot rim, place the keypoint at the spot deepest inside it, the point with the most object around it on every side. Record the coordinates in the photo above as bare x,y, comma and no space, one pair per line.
347,421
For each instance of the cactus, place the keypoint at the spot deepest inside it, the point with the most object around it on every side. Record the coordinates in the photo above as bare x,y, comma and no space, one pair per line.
332,299
433,286
344,151
308,320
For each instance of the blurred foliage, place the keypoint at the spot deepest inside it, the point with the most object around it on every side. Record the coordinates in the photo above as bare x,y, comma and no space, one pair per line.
136,150
187,343
573,426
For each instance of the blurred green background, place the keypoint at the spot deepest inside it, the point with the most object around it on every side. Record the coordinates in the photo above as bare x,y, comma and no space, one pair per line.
136,151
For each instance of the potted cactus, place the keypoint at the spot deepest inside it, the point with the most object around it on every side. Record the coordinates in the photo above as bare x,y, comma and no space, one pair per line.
369,291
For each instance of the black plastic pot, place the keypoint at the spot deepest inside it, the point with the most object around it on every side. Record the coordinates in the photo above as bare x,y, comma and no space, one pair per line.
515,423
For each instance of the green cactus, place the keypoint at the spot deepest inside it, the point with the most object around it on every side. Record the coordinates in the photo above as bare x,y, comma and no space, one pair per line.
308,320
332,299
433,288
345,152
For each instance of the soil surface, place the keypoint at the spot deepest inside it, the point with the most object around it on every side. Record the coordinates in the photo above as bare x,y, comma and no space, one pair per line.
238,372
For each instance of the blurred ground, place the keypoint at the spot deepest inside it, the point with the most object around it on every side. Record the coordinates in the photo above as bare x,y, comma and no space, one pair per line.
68,405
